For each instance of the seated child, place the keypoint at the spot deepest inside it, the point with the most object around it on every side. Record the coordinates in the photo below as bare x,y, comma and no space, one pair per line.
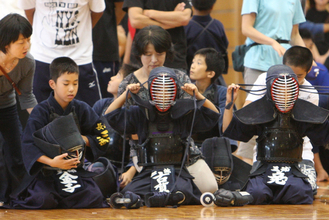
280,119
163,124
206,66
114,152
58,179
300,60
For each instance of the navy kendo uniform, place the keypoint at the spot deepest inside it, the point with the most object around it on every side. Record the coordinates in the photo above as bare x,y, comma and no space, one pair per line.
163,125
49,131
280,120
115,148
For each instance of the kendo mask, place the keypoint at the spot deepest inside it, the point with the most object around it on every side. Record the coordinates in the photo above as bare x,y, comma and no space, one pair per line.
163,88
60,136
282,87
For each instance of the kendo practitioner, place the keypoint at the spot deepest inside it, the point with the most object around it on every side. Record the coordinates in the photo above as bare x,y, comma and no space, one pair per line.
280,119
59,134
163,124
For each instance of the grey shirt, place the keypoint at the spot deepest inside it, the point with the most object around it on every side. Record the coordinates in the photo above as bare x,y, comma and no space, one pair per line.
22,75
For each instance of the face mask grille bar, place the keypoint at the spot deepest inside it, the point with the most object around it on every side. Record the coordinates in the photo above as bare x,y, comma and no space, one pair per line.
284,92
163,91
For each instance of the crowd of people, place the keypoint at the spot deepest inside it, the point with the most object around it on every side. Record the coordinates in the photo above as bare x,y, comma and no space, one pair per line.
104,126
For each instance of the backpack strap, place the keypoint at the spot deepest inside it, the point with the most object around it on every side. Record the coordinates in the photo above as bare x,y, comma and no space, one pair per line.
206,29
10,80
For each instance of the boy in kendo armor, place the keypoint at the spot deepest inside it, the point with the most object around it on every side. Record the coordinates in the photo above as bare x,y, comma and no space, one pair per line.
280,119
163,125
59,134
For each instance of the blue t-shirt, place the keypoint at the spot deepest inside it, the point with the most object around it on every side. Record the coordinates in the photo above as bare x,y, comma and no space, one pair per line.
322,78
275,19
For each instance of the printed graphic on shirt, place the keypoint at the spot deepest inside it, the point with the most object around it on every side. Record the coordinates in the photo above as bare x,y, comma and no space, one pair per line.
66,23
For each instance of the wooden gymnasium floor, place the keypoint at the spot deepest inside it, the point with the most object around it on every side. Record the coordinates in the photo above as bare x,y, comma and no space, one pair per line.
319,210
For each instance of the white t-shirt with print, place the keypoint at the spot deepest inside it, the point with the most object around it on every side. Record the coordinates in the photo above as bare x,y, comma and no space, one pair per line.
62,28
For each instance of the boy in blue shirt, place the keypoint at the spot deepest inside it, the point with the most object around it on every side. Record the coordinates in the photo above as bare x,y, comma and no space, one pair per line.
206,67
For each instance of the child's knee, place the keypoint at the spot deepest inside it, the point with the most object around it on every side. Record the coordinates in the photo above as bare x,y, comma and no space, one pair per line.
298,194
45,200
261,195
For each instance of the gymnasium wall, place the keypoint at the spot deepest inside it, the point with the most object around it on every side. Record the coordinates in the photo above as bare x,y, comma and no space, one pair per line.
228,12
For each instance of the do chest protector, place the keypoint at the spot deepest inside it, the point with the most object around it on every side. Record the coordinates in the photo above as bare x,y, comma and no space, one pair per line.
161,147
280,142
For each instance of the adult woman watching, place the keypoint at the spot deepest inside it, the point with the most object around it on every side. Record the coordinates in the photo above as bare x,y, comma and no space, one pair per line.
16,73
152,45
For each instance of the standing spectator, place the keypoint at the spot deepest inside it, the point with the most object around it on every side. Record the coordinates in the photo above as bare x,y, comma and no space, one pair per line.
105,40
10,7
315,28
7,7
17,65
171,15
273,25
203,31
122,41
125,23
64,29
318,13
318,76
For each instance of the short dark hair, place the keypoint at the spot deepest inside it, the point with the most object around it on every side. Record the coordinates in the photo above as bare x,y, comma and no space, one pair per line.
214,61
126,69
62,65
155,35
298,56
203,5
11,26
